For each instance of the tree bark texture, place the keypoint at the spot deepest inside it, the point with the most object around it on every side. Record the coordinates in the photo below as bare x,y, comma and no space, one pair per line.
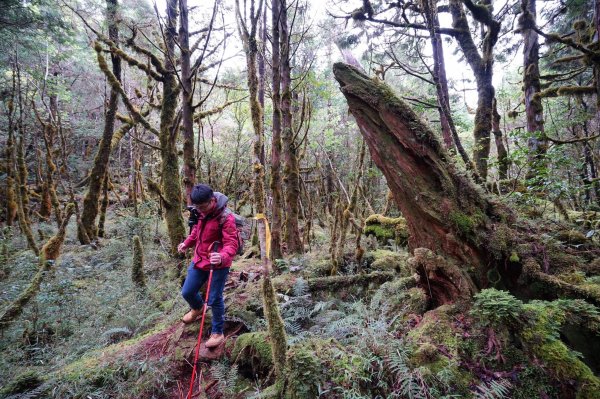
90,201
189,164
169,129
503,161
291,172
270,304
276,182
537,142
458,233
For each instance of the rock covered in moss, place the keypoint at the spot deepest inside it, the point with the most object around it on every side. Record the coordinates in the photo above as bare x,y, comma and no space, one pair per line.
572,237
386,228
382,259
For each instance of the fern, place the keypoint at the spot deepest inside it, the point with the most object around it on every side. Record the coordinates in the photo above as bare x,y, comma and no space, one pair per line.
300,287
226,377
495,389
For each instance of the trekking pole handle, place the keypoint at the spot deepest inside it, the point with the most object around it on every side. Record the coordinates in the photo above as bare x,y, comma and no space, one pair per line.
214,248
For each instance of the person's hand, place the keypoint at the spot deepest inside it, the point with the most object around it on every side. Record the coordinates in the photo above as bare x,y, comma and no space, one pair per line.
181,248
215,258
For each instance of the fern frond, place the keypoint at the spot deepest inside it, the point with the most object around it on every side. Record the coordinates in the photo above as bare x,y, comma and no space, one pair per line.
495,389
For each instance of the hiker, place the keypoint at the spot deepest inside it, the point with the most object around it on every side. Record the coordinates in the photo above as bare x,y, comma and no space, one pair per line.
214,226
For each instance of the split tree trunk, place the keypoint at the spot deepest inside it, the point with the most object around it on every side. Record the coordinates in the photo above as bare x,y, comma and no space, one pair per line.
458,234
482,67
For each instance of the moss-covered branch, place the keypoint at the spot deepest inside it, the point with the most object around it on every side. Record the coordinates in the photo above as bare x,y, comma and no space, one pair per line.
112,80
135,63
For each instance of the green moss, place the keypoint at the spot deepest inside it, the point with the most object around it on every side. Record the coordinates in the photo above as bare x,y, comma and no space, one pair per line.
275,325
437,328
23,382
571,237
540,336
137,267
385,228
254,350
463,223
514,257
303,373
385,260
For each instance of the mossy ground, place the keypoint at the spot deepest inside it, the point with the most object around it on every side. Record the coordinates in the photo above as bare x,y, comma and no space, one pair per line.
375,340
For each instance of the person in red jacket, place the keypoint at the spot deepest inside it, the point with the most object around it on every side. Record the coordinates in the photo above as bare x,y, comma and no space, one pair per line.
213,226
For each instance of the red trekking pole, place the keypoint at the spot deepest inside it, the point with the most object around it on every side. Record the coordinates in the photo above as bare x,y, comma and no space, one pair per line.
215,248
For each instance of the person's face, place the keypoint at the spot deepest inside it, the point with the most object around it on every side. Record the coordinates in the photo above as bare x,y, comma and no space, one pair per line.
205,207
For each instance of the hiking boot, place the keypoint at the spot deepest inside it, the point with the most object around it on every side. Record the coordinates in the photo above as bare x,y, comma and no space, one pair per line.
192,316
215,340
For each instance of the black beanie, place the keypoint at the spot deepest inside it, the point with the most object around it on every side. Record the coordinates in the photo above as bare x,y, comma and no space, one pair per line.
201,193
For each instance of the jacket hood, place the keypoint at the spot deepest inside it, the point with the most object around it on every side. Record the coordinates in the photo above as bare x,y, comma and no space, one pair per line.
221,201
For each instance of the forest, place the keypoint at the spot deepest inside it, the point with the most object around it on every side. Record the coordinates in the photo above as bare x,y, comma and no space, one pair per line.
414,183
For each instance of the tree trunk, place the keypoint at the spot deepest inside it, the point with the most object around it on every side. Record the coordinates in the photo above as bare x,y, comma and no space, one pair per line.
270,304
500,148
291,173
482,67
170,178
189,164
276,182
441,82
338,256
537,141
458,234
90,202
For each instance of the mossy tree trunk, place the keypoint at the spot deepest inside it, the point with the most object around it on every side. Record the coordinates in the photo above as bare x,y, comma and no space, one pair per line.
169,129
92,196
458,233
534,110
291,171
482,67
248,34
276,181
187,116
103,206
137,268
17,160
11,195
503,161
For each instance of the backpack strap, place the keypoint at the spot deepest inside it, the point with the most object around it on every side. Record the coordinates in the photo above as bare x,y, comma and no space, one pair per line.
223,217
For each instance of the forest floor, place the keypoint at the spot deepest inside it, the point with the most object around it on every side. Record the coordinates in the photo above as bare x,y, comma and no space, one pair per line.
91,333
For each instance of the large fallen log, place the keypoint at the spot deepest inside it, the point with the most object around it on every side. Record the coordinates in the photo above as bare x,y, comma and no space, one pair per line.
472,238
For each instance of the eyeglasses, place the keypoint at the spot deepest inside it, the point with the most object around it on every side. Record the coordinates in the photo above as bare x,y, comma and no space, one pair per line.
203,207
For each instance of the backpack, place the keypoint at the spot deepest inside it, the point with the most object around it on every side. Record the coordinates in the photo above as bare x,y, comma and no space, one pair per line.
242,226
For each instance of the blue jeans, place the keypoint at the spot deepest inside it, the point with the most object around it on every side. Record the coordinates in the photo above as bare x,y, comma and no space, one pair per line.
190,292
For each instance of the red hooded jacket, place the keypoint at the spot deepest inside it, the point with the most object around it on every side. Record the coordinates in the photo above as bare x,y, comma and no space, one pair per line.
207,231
